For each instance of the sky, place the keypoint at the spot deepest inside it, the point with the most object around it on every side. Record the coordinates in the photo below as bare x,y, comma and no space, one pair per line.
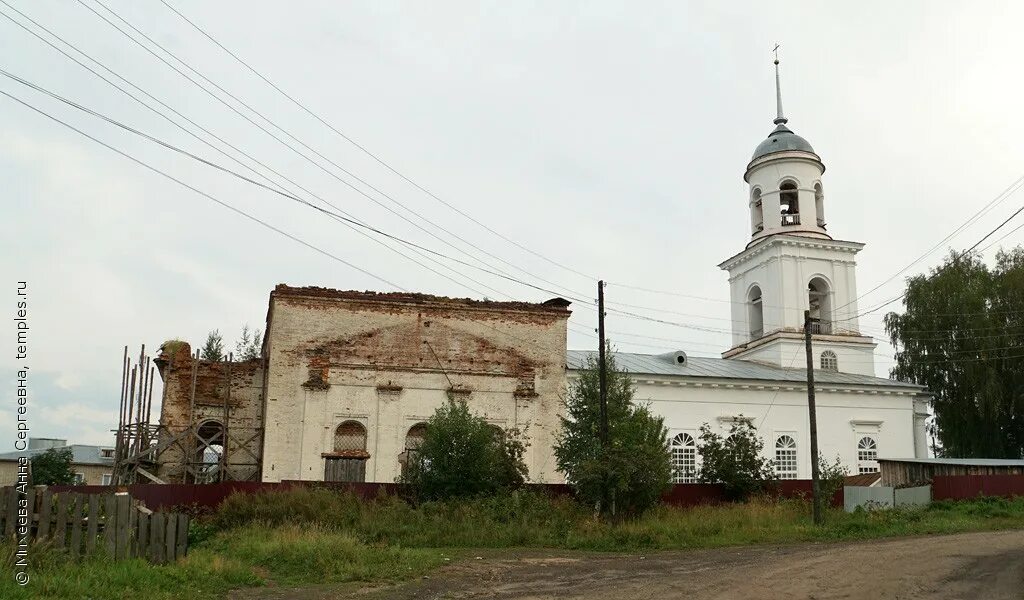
608,139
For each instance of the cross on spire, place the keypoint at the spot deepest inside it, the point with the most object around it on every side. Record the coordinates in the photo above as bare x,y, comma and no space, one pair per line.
780,119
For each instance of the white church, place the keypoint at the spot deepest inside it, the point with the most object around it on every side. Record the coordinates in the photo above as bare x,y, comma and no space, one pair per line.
790,265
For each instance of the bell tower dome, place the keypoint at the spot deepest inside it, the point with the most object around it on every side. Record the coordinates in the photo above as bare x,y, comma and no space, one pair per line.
784,175
791,264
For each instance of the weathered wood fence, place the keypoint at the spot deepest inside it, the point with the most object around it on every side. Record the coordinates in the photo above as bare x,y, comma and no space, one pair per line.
86,524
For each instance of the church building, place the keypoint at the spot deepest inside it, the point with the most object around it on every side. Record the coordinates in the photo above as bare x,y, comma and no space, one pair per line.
347,380
791,264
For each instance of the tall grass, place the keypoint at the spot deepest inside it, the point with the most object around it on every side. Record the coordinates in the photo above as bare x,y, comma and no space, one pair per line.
306,536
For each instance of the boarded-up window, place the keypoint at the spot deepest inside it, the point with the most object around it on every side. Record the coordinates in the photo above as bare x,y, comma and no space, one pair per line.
349,436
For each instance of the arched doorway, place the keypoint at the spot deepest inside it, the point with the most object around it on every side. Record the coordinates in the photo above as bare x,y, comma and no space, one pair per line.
348,460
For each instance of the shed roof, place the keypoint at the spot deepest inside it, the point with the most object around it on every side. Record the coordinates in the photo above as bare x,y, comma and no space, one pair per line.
728,368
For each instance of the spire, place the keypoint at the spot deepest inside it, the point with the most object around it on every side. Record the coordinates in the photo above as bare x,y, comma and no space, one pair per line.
779,120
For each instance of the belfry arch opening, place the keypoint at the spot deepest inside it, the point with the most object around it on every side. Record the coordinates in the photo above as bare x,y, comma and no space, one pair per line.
755,313
789,203
819,205
209,453
756,212
819,301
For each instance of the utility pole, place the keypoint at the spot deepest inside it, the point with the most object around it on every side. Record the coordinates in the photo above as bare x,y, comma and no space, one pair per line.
607,503
602,369
811,411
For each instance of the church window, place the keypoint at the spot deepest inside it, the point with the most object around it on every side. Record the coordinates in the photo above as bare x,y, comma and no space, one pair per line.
684,459
867,455
785,457
819,301
350,436
829,361
819,205
755,313
756,211
789,203
413,440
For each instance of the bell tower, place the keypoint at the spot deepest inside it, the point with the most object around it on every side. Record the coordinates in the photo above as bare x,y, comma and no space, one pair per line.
791,264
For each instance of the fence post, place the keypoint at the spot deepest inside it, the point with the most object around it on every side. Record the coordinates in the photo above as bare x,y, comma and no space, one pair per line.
45,514
156,540
109,519
92,530
76,524
133,525
30,505
171,538
60,535
123,502
12,511
182,547
143,535
4,491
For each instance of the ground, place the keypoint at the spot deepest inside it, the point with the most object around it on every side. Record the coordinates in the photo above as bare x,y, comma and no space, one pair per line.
986,565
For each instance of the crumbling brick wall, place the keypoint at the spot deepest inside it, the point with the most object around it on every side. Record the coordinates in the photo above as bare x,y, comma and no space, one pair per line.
222,389
387,361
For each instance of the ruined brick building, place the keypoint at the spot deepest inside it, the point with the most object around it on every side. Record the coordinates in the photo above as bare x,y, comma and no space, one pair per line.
347,380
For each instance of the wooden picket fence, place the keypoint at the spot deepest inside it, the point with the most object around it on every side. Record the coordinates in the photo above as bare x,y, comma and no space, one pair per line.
86,524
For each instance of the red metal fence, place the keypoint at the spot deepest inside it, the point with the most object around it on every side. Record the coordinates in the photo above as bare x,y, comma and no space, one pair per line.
208,496
962,487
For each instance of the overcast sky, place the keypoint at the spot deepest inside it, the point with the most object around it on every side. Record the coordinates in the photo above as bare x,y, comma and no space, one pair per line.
608,137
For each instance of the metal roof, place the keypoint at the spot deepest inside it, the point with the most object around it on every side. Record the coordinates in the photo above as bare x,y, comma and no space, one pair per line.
781,139
81,454
967,462
722,368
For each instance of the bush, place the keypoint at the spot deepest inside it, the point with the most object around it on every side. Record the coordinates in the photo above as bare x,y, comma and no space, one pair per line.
53,467
462,455
632,473
735,461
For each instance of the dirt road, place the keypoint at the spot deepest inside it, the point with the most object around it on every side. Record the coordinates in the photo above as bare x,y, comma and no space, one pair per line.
989,566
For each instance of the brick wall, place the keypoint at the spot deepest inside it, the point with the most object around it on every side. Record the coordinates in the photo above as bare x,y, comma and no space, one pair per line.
387,361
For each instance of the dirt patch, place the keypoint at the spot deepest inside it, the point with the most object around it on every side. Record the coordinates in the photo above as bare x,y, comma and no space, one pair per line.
973,565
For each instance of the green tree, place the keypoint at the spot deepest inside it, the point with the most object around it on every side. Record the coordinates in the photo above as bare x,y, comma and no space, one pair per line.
735,461
249,345
831,477
961,336
53,467
632,473
213,349
462,455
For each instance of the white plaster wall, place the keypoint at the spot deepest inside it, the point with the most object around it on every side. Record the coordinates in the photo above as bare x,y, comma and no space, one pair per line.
769,174
843,417
300,421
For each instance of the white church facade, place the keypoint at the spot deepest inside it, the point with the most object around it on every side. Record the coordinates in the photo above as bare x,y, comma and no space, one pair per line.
790,265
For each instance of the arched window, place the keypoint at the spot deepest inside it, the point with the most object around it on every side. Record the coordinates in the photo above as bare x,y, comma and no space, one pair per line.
350,437
867,455
413,440
785,457
789,203
684,459
819,205
209,452
829,361
819,301
756,211
755,313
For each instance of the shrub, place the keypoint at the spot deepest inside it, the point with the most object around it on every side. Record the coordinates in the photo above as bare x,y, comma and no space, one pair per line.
632,473
462,455
735,461
53,467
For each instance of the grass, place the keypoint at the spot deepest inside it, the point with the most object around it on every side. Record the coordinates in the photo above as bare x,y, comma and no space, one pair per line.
317,536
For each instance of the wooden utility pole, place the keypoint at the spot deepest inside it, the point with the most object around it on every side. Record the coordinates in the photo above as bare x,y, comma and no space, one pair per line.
815,483
602,370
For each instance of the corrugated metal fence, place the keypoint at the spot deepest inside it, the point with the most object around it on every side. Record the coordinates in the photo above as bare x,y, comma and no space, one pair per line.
962,487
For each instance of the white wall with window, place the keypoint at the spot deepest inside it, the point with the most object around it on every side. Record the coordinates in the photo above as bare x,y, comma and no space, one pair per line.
786,461
684,458
867,455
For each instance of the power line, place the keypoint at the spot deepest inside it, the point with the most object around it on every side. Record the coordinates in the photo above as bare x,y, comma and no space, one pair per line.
210,133
368,152
304,145
204,194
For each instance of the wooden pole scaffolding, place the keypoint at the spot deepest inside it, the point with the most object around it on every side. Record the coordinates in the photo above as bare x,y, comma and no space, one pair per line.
227,417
